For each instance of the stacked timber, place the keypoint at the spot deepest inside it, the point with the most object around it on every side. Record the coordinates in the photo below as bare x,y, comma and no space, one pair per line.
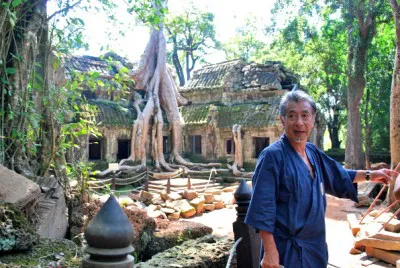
380,243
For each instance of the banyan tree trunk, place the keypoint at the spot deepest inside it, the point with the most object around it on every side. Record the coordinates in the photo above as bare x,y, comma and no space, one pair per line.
237,137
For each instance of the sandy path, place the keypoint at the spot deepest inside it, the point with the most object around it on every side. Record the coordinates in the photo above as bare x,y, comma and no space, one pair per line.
339,237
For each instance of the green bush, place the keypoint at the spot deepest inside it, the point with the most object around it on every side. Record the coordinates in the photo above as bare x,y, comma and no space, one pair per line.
376,156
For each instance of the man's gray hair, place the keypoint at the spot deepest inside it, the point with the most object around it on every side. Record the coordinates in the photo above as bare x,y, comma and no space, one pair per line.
296,96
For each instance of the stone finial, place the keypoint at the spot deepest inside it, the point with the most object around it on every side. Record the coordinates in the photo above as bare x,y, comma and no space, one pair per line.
242,196
248,250
109,236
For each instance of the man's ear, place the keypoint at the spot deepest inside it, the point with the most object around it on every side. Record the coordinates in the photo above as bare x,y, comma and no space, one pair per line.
282,120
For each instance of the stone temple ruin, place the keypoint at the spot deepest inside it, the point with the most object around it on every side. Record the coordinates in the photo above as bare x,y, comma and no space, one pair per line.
220,95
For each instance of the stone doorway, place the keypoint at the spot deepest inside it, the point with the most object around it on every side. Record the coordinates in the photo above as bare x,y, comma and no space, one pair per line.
124,149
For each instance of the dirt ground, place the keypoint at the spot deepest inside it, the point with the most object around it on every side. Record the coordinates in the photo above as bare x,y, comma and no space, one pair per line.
339,237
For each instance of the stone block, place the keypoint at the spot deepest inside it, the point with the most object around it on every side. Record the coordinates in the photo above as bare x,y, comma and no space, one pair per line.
168,210
146,195
198,204
164,195
16,189
219,204
189,194
174,196
188,212
209,207
174,216
209,198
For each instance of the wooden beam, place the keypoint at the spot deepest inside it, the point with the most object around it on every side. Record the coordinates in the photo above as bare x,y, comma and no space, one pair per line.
387,256
378,243
384,235
353,223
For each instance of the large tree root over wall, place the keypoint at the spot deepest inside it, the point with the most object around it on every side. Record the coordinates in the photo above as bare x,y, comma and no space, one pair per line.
162,95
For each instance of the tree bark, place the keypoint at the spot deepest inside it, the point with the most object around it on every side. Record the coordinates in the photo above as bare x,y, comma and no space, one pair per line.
25,46
357,57
395,100
367,131
177,63
237,138
334,130
153,76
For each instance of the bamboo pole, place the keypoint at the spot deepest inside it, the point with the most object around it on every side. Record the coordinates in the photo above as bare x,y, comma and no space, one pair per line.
373,203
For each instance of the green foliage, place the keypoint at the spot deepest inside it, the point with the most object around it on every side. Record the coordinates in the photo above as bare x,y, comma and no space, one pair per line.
379,79
192,34
313,41
376,156
80,172
246,43
152,15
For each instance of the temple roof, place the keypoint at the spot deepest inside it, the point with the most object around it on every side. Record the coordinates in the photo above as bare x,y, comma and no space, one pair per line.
238,74
106,66
248,115
113,114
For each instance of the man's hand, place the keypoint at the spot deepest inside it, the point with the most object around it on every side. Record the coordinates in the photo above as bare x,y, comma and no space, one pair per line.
270,259
383,175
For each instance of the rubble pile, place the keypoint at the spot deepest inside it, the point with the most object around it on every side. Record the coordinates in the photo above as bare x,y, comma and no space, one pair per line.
183,204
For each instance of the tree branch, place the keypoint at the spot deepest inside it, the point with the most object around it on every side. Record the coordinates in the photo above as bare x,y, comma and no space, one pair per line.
68,7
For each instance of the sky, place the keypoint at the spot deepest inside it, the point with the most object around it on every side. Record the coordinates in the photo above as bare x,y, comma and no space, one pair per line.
99,33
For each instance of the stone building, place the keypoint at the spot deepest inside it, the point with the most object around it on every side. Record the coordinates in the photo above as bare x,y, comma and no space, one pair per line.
234,92
220,95
115,115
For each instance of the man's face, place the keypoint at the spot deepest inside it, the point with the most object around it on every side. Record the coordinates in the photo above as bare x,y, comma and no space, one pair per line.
298,121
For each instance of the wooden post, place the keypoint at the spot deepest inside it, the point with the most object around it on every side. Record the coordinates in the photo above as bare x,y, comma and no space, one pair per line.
146,183
168,185
189,184
214,175
113,181
248,250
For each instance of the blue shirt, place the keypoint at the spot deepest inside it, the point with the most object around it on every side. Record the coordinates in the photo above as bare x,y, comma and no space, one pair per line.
290,203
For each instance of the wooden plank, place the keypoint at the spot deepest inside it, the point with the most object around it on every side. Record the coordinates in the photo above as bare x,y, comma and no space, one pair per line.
353,223
393,226
384,235
378,243
387,256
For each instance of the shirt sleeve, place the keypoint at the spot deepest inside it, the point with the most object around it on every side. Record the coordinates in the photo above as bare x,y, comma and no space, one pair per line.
338,181
352,173
261,213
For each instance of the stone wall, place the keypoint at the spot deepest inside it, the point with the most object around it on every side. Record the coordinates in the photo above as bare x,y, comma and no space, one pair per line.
218,150
110,137
228,97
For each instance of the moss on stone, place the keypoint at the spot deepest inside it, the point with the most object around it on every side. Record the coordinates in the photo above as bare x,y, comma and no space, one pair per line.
16,233
45,252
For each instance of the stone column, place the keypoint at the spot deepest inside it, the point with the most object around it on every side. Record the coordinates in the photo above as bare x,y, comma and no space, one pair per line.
248,250
109,236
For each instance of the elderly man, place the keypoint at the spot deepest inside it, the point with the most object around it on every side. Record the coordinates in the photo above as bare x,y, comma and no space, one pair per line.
289,186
